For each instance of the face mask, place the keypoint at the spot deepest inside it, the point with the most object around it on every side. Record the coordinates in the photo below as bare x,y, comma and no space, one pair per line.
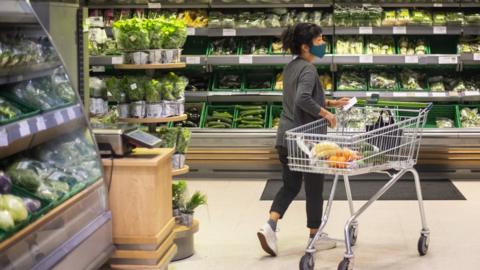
318,50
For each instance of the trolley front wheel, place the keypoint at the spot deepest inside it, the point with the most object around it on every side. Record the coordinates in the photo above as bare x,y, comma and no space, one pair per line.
423,243
307,262
345,264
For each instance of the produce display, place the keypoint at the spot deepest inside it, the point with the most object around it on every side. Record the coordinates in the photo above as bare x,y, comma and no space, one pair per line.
412,80
256,46
258,81
175,137
20,51
250,116
399,17
359,118
383,80
194,18
472,19
469,44
421,18
326,81
436,84
275,122
442,122
56,169
230,81
143,34
279,81
219,118
362,15
277,47
412,46
351,81
44,93
224,46
380,45
8,111
349,45
197,83
470,118
194,113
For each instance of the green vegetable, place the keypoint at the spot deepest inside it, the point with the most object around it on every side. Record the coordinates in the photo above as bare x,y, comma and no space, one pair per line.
26,178
131,34
6,220
152,91
184,136
115,89
169,136
8,111
15,206
135,89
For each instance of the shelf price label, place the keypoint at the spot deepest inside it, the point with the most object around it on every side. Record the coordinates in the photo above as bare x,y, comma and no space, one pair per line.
440,30
191,31
448,60
437,5
400,94
24,128
155,5
308,5
117,60
41,124
399,30
421,94
366,59
471,93
453,94
365,30
229,32
439,94
193,60
3,137
476,57
98,69
245,59
71,113
59,118
411,59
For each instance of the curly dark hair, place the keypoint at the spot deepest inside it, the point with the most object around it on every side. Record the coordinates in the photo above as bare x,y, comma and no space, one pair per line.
295,36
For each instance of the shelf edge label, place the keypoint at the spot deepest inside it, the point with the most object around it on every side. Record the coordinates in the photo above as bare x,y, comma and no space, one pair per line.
476,57
440,30
245,59
155,5
365,30
229,32
448,60
400,94
411,59
308,5
439,94
3,137
23,128
368,59
191,31
192,60
59,117
97,69
71,113
117,60
400,30
471,93
41,123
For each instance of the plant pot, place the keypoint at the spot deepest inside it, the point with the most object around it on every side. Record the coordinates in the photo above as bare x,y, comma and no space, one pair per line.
139,58
98,106
180,106
187,219
137,109
155,56
170,108
123,110
154,110
176,212
178,161
171,56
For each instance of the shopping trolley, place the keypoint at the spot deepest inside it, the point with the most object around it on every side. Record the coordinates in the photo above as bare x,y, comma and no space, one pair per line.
368,139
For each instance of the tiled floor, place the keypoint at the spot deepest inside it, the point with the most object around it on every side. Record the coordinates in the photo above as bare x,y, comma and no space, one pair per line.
387,237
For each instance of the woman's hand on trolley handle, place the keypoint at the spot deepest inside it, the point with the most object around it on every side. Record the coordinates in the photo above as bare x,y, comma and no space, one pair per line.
332,120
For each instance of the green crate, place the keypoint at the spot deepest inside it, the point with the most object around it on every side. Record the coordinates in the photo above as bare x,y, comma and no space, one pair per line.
402,89
370,88
243,43
196,46
238,110
12,97
459,112
26,113
397,46
201,110
215,86
210,48
258,76
222,108
275,111
337,81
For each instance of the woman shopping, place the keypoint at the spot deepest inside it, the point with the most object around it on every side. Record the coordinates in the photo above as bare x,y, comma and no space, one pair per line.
303,102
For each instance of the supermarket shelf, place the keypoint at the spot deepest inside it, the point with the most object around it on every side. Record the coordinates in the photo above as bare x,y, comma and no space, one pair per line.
412,4
259,60
148,6
221,32
194,59
22,73
182,117
411,96
400,30
23,134
106,60
16,11
471,29
181,171
150,66
444,59
471,5
276,5
470,58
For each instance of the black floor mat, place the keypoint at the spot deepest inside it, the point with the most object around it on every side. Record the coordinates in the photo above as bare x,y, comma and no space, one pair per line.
365,189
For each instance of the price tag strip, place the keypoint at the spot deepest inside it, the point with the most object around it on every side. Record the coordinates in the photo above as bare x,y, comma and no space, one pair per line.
3,137
229,32
24,128
399,30
192,60
245,59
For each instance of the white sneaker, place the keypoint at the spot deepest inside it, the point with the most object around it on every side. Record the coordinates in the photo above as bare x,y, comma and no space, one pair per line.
324,242
268,239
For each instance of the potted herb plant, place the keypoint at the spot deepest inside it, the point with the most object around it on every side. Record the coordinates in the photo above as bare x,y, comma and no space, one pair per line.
136,96
154,107
115,89
178,197
183,139
193,203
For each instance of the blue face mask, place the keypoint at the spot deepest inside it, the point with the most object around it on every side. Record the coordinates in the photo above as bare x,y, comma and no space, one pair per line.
318,50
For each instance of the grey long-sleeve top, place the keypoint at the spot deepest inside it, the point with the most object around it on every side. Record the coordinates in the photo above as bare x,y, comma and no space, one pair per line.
303,97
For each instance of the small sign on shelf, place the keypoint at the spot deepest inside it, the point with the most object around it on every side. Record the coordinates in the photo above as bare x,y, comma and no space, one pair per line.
439,30
229,32
245,59
365,30
399,30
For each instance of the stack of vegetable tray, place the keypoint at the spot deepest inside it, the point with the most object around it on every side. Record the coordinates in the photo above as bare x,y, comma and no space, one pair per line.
219,116
439,114
228,81
251,116
11,111
195,115
237,81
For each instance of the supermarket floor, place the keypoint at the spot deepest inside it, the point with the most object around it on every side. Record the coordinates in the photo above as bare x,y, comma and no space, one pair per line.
387,237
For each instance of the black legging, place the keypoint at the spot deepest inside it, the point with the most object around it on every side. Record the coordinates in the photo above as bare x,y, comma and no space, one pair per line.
292,183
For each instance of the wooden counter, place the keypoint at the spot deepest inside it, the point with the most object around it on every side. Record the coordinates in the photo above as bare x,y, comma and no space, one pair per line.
140,197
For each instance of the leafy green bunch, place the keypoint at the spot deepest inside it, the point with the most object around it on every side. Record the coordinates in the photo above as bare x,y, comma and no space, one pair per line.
132,34
174,33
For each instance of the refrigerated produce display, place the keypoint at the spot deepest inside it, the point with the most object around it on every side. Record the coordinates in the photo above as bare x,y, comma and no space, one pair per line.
52,193
396,50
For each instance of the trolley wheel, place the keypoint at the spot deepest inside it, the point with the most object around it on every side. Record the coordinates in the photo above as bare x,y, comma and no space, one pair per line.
345,264
423,243
353,234
307,262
